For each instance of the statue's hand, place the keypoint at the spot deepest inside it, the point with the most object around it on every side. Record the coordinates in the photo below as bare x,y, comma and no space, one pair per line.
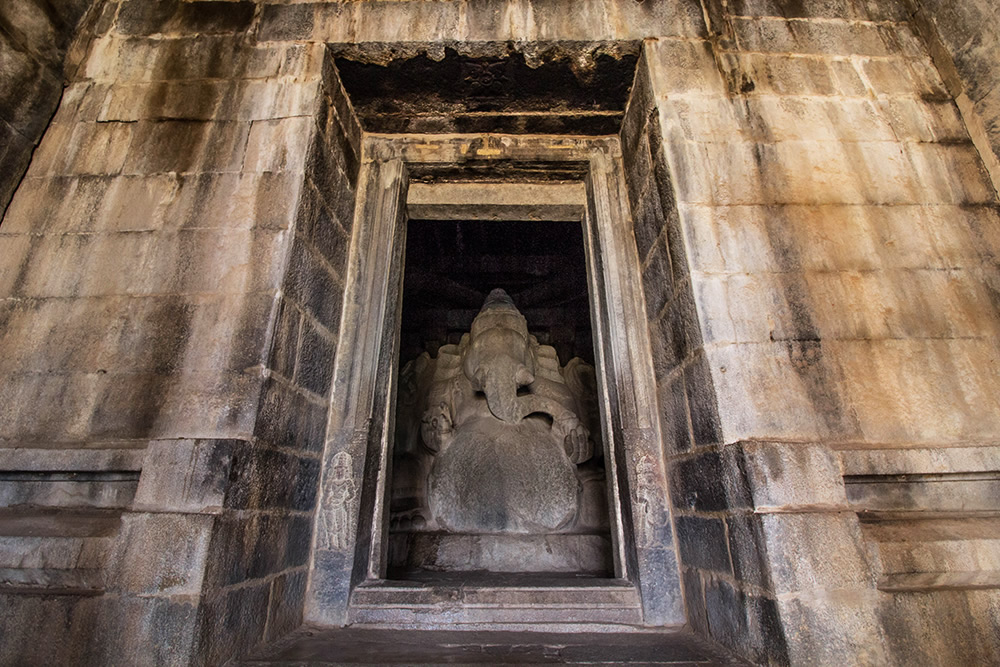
436,428
575,438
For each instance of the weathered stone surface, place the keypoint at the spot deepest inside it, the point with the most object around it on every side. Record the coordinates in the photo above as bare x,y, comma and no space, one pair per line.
702,543
812,197
191,476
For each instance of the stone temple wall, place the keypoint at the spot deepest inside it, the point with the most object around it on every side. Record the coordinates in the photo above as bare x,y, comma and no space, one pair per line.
964,43
35,36
817,231
171,270
819,283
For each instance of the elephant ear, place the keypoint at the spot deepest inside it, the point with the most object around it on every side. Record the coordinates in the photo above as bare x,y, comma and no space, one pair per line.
581,379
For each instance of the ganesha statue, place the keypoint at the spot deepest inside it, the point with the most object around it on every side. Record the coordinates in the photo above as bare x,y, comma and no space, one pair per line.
493,436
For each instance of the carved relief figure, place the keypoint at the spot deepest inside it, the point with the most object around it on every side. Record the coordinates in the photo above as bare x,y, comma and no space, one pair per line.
500,434
646,502
338,495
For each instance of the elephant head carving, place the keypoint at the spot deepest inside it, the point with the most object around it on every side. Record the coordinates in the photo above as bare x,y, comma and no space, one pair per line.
500,358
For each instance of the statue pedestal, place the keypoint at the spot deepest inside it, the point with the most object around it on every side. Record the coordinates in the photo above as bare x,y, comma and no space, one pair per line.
456,552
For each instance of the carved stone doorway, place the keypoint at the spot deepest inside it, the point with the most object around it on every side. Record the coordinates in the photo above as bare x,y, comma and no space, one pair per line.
504,177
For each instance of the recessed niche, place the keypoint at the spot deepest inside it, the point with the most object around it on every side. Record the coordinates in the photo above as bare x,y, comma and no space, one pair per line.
498,462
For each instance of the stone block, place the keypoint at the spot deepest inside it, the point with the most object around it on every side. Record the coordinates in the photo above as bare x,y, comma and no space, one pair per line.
674,424
151,630
332,166
57,204
789,476
212,99
656,281
27,617
287,22
266,201
314,367
278,145
910,77
830,37
180,543
137,203
701,483
189,476
233,623
649,221
94,148
285,344
247,546
703,404
751,378
950,174
664,348
312,285
266,479
290,419
186,146
941,629
638,173
681,317
298,547
920,391
174,17
748,624
660,587
285,604
702,543
748,548
69,395
813,551
48,157
341,104
637,109
324,230
924,120
828,238
809,9
206,405
787,74
213,261
683,67
694,600
919,461
822,628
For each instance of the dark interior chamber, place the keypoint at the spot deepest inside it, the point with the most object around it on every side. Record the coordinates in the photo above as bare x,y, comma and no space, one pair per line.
450,269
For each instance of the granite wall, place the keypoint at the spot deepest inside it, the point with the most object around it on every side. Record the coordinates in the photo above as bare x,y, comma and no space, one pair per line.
171,280
965,46
35,36
817,233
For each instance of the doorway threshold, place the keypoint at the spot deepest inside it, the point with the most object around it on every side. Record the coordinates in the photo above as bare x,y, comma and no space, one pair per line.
512,601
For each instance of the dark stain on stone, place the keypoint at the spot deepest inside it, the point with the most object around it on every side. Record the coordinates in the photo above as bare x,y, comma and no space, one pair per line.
803,342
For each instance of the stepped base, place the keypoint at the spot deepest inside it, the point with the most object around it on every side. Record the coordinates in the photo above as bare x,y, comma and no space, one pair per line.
318,646
499,601
563,553
55,551
935,552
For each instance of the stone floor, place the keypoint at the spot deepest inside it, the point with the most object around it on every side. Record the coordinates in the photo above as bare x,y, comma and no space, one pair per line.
325,646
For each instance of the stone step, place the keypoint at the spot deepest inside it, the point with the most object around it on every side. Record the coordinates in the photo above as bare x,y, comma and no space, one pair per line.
69,477
598,604
54,550
941,551
44,581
